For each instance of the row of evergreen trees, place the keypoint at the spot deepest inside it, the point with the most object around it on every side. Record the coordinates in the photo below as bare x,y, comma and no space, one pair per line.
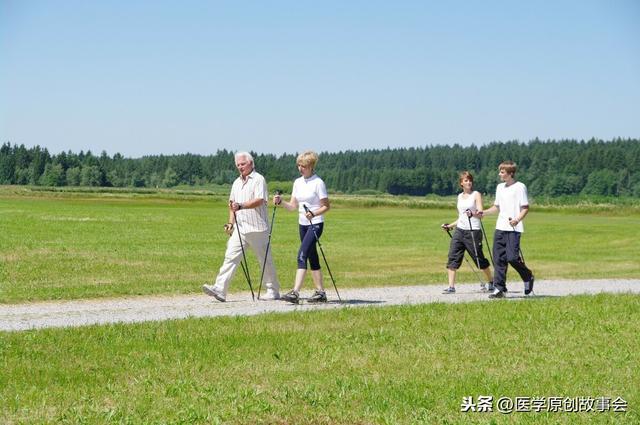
553,168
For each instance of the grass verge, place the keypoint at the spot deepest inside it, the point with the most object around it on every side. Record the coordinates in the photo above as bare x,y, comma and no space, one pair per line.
393,365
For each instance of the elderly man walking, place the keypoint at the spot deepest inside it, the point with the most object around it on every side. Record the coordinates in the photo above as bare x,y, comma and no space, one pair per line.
248,205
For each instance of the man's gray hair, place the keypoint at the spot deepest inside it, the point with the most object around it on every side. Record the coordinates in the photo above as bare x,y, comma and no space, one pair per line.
246,155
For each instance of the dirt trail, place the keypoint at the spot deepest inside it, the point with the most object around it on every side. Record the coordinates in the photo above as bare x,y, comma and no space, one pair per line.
17,317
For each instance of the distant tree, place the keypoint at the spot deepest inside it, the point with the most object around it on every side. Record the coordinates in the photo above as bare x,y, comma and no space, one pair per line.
138,180
73,176
22,176
561,184
552,168
7,164
155,180
7,168
114,179
53,175
601,182
23,156
90,176
40,157
170,178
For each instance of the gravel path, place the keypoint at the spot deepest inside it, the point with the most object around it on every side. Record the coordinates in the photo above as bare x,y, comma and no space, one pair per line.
141,309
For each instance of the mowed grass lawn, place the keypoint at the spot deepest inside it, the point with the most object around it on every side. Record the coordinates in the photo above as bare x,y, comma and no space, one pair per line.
388,365
69,246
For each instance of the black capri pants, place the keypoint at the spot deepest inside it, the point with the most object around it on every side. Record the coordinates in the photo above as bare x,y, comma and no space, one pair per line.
308,250
462,241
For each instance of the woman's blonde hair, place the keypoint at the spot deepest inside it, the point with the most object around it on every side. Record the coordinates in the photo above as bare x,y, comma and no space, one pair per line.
308,159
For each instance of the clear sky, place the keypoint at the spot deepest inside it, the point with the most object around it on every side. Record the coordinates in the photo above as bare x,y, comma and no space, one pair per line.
151,77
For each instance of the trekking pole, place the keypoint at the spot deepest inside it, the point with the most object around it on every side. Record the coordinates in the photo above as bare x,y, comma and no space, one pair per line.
473,240
487,241
519,249
475,247
244,271
245,266
465,258
323,256
266,252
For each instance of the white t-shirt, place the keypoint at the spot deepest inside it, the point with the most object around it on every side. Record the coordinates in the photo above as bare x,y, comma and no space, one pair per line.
464,204
510,199
309,192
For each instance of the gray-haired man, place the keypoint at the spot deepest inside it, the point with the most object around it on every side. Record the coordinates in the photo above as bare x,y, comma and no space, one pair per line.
248,200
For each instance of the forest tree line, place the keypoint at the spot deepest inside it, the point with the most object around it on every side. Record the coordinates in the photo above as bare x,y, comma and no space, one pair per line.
551,168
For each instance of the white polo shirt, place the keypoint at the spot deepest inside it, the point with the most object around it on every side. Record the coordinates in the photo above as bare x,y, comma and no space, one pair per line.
309,192
251,219
509,200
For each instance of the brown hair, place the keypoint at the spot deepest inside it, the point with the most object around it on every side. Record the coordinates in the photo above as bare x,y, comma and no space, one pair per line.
465,175
508,166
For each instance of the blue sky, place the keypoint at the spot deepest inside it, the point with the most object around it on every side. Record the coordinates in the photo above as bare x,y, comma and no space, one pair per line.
151,77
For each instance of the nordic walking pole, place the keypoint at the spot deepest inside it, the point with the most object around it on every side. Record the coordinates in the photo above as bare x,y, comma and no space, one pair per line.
266,252
245,267
323,256
487,241
475,247
473,239
465,258
246,270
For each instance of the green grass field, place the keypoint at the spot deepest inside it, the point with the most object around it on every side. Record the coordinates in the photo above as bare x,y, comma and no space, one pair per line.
390,365
69,245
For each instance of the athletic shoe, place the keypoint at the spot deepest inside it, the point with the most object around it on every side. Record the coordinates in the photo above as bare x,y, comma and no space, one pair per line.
528,286
497,294
270,295
491,288
214,292
318,297
449,290
291,297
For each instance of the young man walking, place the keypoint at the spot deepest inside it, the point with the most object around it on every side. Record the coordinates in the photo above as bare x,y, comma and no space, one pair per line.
512,205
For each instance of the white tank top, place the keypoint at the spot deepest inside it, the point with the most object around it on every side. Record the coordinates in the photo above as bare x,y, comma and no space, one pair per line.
464,204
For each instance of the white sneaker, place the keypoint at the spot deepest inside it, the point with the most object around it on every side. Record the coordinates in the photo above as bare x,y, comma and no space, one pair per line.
497,294
270,295
214,292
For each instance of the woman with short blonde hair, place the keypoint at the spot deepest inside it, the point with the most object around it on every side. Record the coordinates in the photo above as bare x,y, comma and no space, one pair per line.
309,197
307,159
